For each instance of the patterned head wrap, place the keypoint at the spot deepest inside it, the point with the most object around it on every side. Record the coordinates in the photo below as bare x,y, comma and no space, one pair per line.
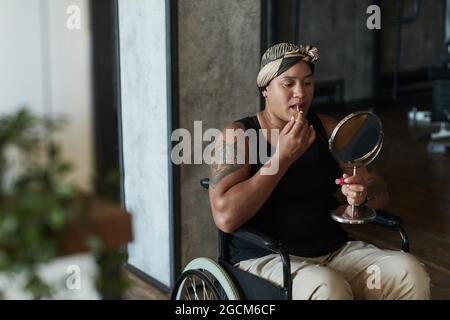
280,57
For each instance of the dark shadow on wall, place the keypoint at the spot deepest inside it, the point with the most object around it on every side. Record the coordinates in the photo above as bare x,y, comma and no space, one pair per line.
105,97
356,69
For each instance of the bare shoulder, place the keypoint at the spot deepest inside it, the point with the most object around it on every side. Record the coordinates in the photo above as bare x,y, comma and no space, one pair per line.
230,162
328,122
235,125
231,131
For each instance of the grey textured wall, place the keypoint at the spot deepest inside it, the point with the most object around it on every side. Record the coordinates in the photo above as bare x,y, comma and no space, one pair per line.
218,63
423,40
338,29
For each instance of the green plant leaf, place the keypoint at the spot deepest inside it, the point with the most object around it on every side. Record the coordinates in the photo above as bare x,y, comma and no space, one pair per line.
57,219
35,211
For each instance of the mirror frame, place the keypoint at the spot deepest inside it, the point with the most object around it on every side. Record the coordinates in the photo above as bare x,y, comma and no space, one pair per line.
372,153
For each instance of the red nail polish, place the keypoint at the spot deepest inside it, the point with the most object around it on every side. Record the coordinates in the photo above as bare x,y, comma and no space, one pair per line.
341,181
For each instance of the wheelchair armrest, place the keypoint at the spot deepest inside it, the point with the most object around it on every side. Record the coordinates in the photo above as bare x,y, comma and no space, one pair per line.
204,183
386,219
391,221
267,242
257,238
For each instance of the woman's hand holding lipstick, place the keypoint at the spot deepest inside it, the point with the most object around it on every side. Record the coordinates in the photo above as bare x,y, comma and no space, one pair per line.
295,138
354,188
297,112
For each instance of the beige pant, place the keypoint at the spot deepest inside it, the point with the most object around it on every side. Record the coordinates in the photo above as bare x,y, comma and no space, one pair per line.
356,271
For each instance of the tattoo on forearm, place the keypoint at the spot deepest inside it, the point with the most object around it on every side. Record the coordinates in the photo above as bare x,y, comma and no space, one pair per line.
376,188
226,161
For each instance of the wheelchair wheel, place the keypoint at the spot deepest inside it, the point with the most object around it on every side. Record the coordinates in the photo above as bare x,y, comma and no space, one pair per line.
204,279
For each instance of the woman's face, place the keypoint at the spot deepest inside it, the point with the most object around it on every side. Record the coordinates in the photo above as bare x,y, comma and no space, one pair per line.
292,89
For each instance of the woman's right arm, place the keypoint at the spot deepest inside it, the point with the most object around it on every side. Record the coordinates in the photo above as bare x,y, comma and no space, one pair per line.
236,195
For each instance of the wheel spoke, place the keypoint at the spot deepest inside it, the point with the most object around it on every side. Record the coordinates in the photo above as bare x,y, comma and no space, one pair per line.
205,292
194,281
186,290
194,288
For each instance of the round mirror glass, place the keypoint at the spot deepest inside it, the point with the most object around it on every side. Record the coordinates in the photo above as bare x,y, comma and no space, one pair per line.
357,139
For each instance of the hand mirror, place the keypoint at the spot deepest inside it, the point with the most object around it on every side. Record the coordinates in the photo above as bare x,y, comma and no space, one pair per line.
356,141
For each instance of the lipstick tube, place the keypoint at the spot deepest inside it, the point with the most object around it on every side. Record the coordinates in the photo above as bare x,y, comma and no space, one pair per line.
341,181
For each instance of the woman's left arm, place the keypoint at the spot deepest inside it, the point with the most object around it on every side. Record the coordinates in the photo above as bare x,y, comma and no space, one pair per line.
367,184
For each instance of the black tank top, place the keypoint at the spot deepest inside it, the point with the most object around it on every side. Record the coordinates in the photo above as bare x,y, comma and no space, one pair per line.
297,213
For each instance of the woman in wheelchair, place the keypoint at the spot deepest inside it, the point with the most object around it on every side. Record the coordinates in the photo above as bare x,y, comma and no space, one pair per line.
293,204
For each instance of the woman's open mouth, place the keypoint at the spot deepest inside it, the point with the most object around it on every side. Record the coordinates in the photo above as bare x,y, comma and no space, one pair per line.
297,107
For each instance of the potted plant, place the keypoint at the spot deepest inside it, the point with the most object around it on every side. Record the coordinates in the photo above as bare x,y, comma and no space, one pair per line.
45,219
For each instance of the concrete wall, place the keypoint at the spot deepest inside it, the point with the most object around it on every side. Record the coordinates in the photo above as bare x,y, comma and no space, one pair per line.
218,63
422,41
338,29
46,67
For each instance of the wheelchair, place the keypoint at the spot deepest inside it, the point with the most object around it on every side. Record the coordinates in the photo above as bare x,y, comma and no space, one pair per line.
206,279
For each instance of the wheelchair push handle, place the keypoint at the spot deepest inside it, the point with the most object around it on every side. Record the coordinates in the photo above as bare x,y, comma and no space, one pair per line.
205,183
